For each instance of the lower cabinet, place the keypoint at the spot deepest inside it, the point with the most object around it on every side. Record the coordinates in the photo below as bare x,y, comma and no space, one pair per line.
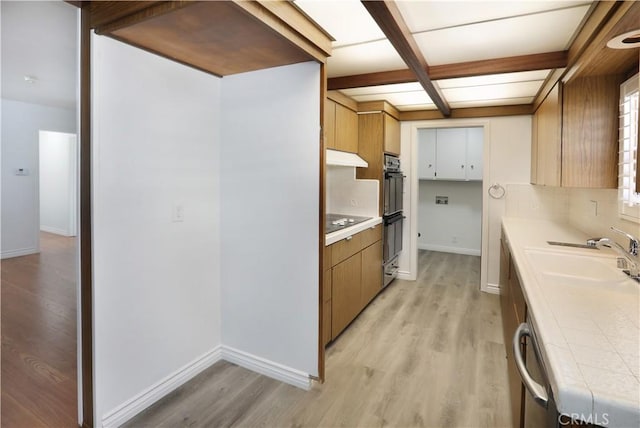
326,308
345,294
354,279
371,273
510,323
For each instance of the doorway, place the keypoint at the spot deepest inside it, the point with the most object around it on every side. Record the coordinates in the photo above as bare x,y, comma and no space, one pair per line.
447,200
40,269
58,171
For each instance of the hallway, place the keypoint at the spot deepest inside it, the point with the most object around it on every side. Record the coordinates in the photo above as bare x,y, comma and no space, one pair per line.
39,336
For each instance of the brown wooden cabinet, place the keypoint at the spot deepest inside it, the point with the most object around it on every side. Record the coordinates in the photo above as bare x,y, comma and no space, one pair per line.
353,278
391,135
378,133
346,279
576,134
330,123
340,127
371,273
513,309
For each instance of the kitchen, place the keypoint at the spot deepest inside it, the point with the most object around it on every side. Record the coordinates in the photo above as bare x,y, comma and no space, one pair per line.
290,346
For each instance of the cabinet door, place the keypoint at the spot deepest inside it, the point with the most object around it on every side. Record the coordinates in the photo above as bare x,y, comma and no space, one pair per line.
450,153
371,272
509,325
475,137
346,129
330,124
391,135
548,119
426,154
326,308
346,280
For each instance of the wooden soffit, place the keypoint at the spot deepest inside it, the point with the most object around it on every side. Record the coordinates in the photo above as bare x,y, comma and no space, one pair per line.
218,37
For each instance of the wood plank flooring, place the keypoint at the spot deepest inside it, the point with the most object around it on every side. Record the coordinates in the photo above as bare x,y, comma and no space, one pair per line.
428,353
38,317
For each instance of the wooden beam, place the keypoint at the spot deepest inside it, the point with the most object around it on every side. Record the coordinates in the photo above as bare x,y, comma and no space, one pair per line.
465,113
389,19
514,64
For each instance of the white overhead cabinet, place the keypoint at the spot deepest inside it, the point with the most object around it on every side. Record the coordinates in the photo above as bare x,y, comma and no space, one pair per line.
450,154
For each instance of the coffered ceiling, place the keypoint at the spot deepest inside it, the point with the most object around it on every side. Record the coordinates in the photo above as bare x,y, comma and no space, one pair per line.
447,33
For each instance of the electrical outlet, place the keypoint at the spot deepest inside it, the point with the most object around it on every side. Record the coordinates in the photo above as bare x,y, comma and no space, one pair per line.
454,239
178,213
442,200
354,202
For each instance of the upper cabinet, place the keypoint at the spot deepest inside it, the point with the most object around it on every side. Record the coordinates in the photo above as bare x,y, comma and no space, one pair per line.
391,134
378,133
340,127
450,154
575,134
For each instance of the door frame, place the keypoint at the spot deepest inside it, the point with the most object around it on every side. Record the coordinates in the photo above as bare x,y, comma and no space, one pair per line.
412,136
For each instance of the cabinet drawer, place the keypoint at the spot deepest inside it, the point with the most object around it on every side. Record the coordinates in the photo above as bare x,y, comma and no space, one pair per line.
371,235
346,248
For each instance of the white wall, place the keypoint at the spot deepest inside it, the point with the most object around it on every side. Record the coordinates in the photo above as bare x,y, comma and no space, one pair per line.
156,128
58,182
455,227
507,159
270,199
347,195
21,123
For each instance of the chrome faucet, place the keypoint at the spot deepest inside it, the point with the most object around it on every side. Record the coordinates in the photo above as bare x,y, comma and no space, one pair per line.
630,255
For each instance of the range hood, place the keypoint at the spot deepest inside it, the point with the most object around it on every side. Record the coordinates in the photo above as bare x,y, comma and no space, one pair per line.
335,157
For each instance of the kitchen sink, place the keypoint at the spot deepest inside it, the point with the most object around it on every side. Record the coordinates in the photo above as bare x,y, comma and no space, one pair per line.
571,268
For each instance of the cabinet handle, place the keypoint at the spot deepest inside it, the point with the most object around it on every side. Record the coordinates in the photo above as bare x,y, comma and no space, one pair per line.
348,238
536,390
462,166
430,165
471,166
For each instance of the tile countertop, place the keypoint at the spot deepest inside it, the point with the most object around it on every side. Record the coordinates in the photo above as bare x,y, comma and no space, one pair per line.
339,235
589,335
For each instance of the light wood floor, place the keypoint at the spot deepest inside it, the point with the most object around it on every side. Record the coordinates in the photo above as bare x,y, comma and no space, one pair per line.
423,354
39,337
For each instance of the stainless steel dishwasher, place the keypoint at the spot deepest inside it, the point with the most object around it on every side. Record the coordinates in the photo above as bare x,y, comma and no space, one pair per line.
539,408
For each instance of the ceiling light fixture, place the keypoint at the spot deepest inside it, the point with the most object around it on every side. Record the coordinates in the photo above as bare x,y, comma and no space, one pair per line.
30,79
627,40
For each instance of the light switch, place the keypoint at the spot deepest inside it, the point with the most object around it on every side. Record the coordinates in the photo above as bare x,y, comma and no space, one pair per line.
178,213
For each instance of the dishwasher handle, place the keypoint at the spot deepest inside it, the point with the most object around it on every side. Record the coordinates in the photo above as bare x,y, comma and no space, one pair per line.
536,390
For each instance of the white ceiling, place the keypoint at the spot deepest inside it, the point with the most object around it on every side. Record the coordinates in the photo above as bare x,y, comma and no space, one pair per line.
449,32
39,39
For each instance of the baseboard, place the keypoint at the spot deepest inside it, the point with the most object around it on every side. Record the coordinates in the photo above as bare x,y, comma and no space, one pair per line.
55,230
491,288
20,252
445,249
268,368
137,404
406,275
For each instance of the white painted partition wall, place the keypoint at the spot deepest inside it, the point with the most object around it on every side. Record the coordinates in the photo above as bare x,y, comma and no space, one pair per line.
270,214
156,128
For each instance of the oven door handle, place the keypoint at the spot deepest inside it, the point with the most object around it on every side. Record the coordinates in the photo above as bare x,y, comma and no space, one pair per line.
536,390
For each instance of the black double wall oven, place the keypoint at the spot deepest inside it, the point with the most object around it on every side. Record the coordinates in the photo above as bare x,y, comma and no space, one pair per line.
393,191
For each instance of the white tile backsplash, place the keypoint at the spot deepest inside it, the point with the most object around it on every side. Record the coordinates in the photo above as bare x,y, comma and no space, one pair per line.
592,211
